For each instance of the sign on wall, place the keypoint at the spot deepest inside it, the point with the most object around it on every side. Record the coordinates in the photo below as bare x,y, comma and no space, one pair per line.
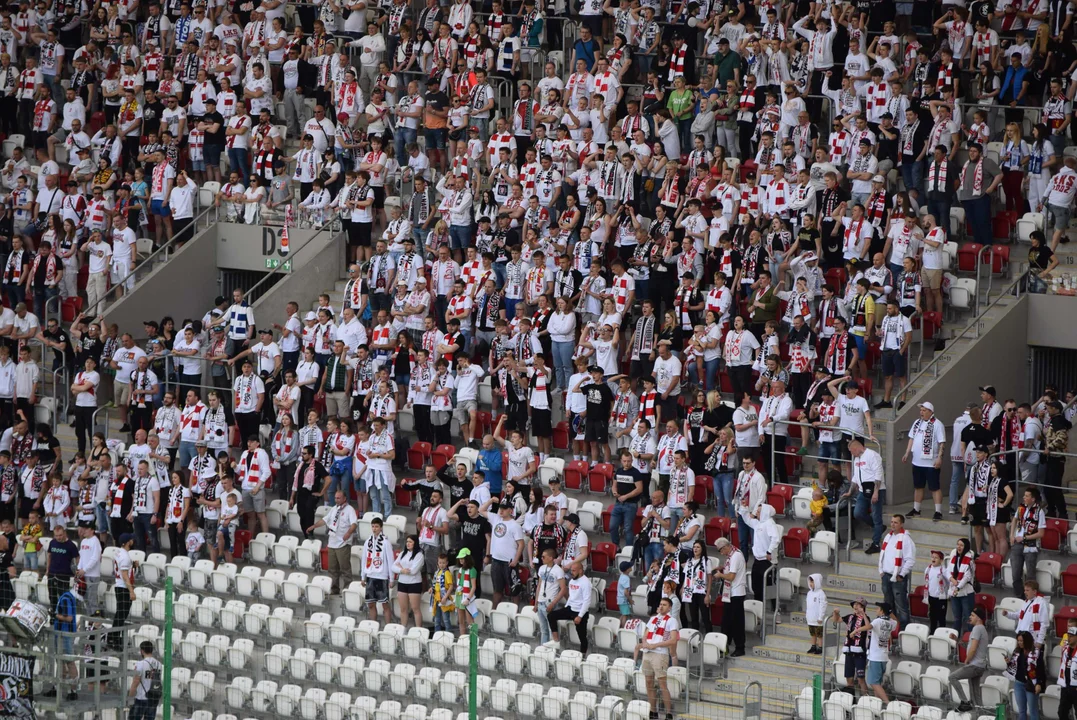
247,247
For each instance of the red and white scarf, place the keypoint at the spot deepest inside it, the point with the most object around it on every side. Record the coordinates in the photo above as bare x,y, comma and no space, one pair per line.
900,544
936,176
676,62
977,177
50,270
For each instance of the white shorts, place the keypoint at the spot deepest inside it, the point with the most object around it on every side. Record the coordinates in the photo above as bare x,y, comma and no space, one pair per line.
121,275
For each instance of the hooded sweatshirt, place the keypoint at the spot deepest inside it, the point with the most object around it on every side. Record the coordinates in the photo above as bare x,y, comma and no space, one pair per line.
1057,433
815,604
767,534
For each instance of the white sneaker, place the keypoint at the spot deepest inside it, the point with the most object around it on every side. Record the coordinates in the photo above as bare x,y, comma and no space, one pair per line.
778,618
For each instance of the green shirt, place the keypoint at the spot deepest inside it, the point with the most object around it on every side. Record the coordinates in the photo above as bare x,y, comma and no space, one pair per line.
727,66
680,104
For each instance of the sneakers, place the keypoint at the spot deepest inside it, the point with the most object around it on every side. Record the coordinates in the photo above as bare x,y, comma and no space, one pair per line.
738,653
912,513
885,404
777,618
49,693
802,451
954,509
873,549
937,516
125,428
964,519
72,696
964,706
813,650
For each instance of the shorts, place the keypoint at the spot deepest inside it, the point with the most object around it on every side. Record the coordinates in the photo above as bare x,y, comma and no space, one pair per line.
655,665
541,423
861,345
66,643
198,165
377,591
120,273
500,576
435,138
227,533
925,477
893,363
815,631
410,588
624,609
210,528
597,430
60,135
1059,217
931,279
212,154
830,450
25,506
254,503
876,670
463,410
121,393
159,209
978,513
100,512
40,140
379,196
359,234
855,664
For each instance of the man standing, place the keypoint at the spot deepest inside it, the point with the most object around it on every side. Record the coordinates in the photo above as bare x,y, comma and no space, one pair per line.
578,607
661,634
550,589
1035,615
375,572
88,570
147,677
765,539
60,561
432,525
1026,529
125,585
341,521
895,336
505,550
927,439
144,510
957,457
774,430
976,664
896,560
857,628
869,488
254,472
1056,440
978,181
734,588
879,648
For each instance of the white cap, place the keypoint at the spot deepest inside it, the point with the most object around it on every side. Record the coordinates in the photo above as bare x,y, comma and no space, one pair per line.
310,316
927,406
878,178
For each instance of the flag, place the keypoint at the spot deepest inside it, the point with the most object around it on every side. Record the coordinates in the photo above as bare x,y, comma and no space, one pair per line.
288,212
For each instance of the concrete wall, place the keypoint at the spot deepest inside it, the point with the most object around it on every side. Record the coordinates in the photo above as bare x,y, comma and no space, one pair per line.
183,287
998,357
1050,321
319,266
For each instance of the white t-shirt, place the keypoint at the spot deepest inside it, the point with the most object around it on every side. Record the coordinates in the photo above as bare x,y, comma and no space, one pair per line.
504,534
87,398
664,372
519,459
188,365
144,489
851,413
916,435
750,436
879,643
127,361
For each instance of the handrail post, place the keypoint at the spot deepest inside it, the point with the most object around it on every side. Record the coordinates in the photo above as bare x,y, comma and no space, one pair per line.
777,604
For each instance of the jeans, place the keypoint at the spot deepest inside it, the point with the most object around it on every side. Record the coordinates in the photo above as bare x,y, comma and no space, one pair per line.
186,452
941,210
341,474
744,533
381,500
142,710
403,137
913,176
562,362
675,515
962,606
652,553
442,620
723,493
957,481
142,528
973,674
1023,567
238,160
872,513
978,212
459,236
544,623
43,301
483,124
622,518
896,592
1028,705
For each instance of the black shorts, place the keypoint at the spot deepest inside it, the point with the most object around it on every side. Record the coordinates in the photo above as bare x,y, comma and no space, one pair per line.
359,234
925,477
893,364
978,513
377,591
597,430
501,576
541,424
40,140
25,506
410,588
379,196
855,664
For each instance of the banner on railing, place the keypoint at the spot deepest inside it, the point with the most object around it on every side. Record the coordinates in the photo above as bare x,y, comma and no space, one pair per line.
260,248
17,686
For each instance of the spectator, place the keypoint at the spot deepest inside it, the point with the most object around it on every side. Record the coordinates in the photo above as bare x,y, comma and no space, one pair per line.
660,635
975,661
896,559
733,590
1026,530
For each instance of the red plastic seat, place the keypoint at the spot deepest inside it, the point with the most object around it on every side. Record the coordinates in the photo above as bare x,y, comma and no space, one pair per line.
1069,581
486,422
325,559
606,515
724,382
637,522
1063,618
599,477
442,455
932,323
239,545
1003,224
988,566
836,277
611,599
1053,535
780,496
715,528
917,602
716,614
602,556
867,386
795,542
987,602
968,256
575,472
704,490
560,435
402,496
418,454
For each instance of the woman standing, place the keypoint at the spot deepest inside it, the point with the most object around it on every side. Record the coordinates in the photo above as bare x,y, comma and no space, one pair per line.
408,567
960,574
467,582
740,347
1041,160
696,589
179,504
341,450
284,450
999,511
1014,160
695,431
308,487
1041,261
307,374
721,464
1028,672
562,329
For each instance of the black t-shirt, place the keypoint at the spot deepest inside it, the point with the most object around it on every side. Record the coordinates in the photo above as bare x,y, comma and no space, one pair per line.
67,355
437,100
976,434
62,558
8,556
91,348
151,117
1039,258
599,401
474,532
979,10
216,138
625,481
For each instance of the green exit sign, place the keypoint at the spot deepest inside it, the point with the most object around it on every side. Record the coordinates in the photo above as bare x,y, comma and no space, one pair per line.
274,263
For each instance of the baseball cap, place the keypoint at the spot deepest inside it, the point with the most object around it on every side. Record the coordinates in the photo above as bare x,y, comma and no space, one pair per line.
859,601
810,257
310,316
927,406
626,565
573,518
126,538
878,178
989,389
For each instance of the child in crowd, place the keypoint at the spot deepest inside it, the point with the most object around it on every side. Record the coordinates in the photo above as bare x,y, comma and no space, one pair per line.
441,595
31,540
465,589
624,591
228,520
815,612
195,541
936,577
56,502
818,506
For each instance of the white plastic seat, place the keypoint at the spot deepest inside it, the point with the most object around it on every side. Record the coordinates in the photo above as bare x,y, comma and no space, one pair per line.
935,683
312,704
325,667
293,589
238,693
351,671
247,581
262,696
905,678
286,700
414,642
942,645
401,679
555,702
177,569
255,619
261,547
279,623
223,578
549,469
490,653
340,631
215,651
503,618
232,614
301,664
191,647
529,700
637,710
201,688
316,627
376,675
308,556
354,597
337,707
527,625
996,688
153,568
451,687
1003,623
208,611
276,660
239,654
389,638
1048,575
198,575
837,706
1000,651
284,550
425,684
821,546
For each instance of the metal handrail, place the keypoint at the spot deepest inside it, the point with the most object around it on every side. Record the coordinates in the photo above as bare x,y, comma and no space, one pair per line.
93,419
327,227
777,605
151,259
1017,481
933,365
59,315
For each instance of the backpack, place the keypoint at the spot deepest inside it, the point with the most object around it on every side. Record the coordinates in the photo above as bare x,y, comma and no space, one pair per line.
155,691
